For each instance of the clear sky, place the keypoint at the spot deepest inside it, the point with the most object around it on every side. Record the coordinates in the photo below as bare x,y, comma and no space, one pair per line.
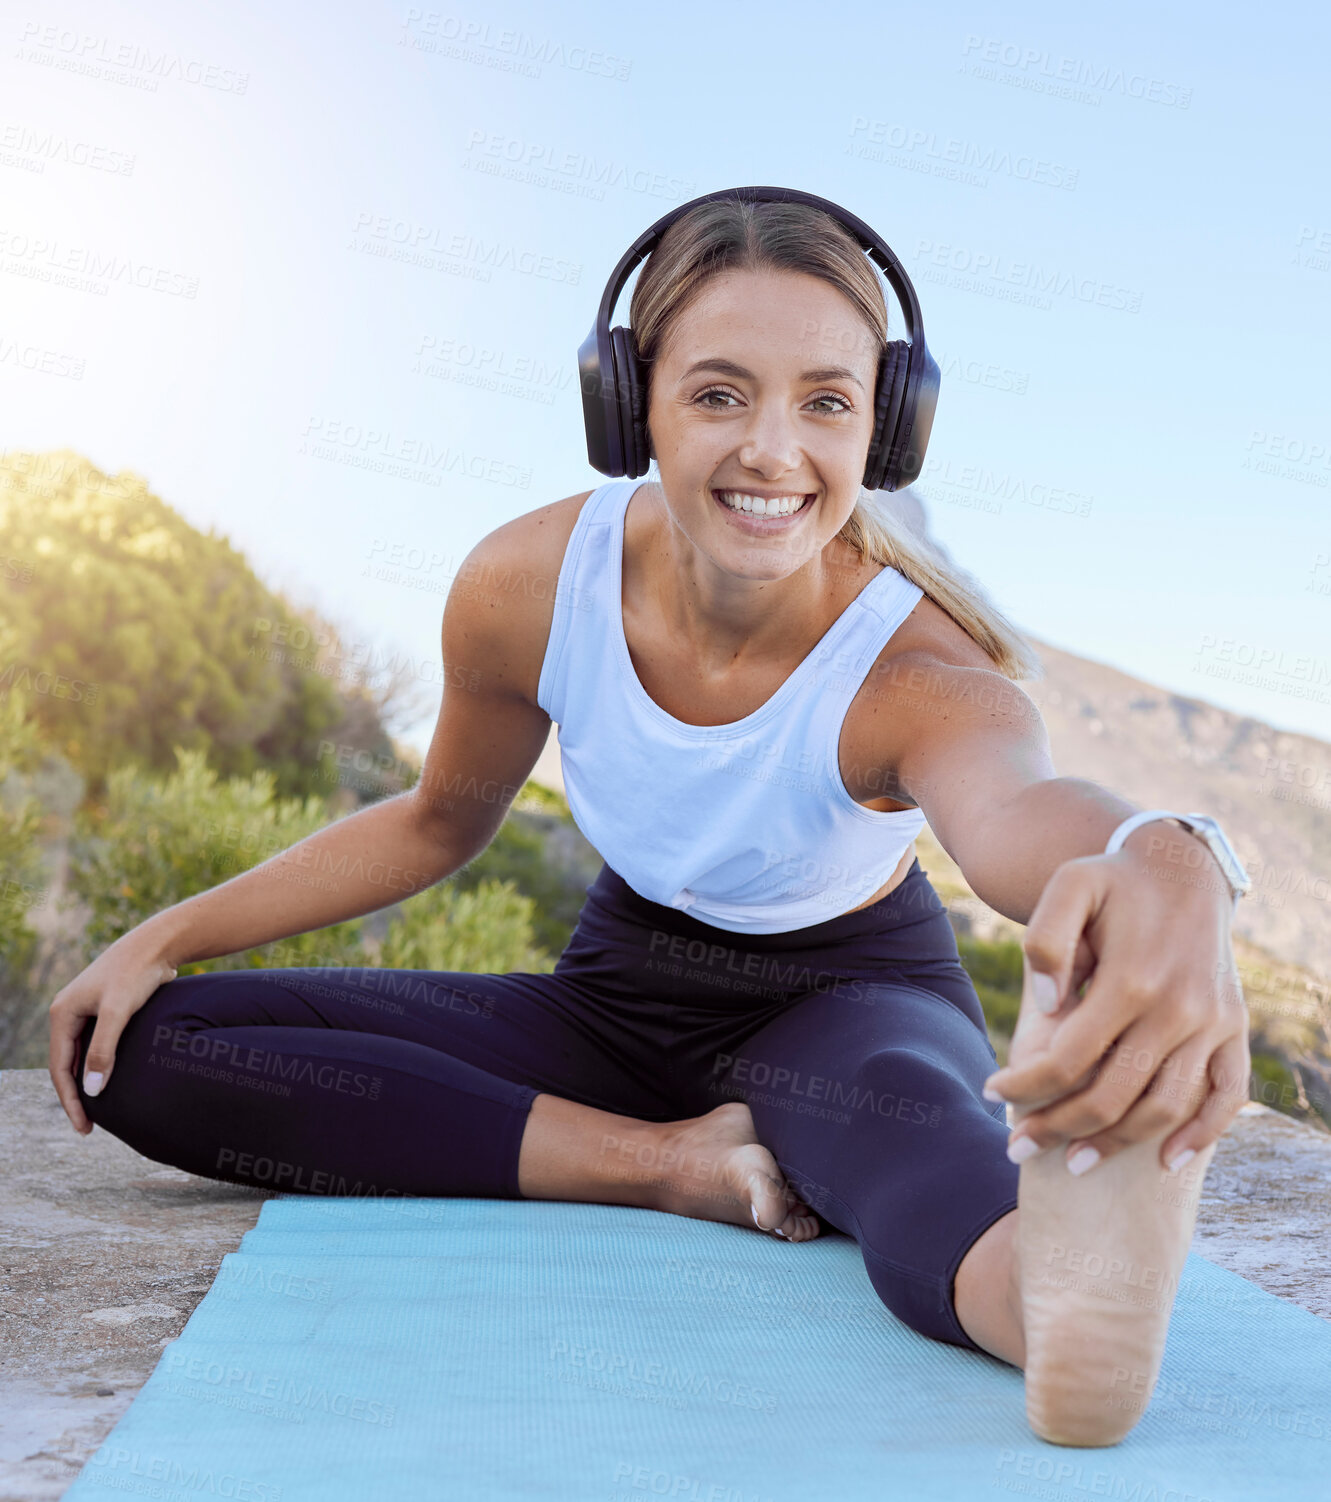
265,254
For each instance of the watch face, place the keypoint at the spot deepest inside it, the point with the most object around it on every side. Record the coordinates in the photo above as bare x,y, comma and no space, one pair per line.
1228,857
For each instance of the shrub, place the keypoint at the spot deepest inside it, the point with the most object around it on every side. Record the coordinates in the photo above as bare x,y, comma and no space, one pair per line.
518,856
995,970
486,930
156,841
1274,1085
157,635
22,874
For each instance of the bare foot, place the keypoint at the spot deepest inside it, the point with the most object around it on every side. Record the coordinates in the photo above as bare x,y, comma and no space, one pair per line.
1099,1257
718,1170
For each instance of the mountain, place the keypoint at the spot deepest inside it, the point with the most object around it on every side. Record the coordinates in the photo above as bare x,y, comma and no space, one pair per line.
1270,788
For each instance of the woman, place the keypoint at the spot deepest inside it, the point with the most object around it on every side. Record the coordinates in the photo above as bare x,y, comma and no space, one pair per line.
761,1016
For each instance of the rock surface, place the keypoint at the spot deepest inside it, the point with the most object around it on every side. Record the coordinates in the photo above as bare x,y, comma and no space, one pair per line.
104,1255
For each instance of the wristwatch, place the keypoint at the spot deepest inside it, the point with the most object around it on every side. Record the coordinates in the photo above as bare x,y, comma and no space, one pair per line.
1204,827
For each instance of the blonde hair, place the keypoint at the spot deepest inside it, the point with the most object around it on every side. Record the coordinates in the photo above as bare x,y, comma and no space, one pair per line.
733,234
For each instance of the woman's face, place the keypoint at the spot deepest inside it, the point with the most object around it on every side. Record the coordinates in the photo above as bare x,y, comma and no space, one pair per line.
764,388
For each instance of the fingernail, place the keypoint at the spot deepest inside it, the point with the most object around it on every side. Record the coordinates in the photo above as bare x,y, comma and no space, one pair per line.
1186,1156
1022,1148
781,1233
92,1083
1083,1159
1044,988
990,1093
756,1221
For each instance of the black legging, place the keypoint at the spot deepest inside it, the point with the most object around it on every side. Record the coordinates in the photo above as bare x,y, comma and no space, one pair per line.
858,1043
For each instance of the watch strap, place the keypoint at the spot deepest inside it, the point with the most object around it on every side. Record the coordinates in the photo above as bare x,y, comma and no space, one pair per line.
1224,858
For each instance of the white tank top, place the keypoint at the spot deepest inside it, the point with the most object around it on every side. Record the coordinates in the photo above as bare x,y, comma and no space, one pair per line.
746,826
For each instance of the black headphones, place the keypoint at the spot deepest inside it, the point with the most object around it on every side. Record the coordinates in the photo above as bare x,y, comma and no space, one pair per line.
614,388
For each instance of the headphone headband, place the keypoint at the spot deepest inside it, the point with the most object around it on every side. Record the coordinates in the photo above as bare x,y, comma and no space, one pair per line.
878,251
614,386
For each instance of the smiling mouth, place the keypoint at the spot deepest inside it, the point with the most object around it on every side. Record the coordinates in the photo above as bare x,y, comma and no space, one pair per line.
741,503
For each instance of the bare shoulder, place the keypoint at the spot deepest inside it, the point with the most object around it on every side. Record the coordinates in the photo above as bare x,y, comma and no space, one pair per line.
931,659
931,680
500,607
532,544
930,632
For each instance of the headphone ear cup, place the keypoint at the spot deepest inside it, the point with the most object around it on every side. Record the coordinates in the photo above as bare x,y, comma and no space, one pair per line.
628,401
615,406
642,388
637,405
888,396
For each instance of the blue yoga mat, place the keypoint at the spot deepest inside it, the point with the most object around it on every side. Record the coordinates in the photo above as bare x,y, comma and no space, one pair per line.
472,1348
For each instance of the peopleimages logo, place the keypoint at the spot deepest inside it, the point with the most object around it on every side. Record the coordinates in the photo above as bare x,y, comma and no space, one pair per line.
692,1382
47,260
278,1387
64,48
994,275
39,361
1069,77
518,51
966,156
122,1469
407,240
36,145
492,150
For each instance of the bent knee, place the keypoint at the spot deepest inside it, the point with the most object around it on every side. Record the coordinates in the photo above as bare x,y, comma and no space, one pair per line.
169,1021
918,1091
144,1049
918,1300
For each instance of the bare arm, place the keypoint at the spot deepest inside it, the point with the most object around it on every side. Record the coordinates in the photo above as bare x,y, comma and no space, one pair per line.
1148,928
358,864
486,740
488,736
974,754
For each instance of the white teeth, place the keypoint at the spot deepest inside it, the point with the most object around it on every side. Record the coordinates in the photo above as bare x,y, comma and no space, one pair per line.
758,505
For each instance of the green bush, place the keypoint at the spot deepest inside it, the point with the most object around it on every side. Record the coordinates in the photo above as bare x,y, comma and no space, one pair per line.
520,854
517,855
156,841
21,869
1274,1085
487,929
995,970
22,877
157,635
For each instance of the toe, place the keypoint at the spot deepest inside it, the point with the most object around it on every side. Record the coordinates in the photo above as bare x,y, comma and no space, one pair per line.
800,1223
769,1198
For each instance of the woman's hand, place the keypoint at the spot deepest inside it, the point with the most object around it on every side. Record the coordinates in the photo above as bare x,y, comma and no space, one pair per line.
112,989
1159,1039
